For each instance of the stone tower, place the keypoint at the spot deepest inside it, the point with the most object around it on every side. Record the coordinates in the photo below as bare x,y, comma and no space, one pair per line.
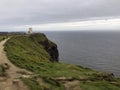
30,31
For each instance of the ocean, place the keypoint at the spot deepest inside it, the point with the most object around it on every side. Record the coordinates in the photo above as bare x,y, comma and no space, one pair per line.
96,50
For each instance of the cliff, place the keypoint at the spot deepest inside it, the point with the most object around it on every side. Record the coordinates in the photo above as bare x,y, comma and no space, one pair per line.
34,46
37,53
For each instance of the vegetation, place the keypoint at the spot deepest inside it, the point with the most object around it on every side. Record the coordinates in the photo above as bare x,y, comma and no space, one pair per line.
43,84
2,37
26,52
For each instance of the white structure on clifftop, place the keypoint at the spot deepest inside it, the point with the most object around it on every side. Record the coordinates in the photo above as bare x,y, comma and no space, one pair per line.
30,31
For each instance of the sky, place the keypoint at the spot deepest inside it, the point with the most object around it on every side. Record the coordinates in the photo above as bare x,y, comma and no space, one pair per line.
47,15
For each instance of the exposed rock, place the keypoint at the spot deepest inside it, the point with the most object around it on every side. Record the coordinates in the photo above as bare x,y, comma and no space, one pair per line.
49,46
16,81
6,66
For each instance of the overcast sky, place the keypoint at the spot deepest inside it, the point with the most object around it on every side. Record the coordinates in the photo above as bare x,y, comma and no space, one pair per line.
59,14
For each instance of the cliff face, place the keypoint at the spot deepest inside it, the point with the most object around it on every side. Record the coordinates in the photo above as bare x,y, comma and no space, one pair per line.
49,46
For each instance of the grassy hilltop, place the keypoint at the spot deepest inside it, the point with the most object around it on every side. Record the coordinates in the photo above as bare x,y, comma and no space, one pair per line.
38,54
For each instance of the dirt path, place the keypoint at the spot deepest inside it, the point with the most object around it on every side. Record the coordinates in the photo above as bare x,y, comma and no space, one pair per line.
68,83
72,85
11,81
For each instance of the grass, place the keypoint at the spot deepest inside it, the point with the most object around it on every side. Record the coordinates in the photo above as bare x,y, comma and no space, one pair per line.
42,84
22,51
29,52
2,37
99,85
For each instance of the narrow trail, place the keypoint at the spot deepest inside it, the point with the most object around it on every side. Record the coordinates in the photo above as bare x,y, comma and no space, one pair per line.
11,81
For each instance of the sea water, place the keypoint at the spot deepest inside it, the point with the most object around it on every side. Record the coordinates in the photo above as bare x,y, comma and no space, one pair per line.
96,50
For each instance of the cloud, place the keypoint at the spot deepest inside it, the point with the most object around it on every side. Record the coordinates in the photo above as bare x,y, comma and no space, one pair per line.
111,24
32,12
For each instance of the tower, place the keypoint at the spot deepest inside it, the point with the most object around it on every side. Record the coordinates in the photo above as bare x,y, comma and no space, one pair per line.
30,31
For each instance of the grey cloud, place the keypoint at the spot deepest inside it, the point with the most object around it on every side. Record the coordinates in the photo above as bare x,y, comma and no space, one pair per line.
23,12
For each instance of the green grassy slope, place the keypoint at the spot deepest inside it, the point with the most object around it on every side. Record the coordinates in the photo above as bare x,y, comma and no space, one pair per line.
23,52
26,52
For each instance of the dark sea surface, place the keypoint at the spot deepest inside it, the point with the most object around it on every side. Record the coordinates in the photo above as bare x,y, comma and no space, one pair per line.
96,50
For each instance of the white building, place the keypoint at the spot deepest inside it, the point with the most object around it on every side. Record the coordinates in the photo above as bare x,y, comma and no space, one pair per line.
30,31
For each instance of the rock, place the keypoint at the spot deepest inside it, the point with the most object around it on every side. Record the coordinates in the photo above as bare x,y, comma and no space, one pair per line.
51,48
6,66
16,81
26,76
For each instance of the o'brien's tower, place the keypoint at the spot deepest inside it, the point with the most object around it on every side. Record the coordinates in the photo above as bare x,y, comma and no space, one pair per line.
30,31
